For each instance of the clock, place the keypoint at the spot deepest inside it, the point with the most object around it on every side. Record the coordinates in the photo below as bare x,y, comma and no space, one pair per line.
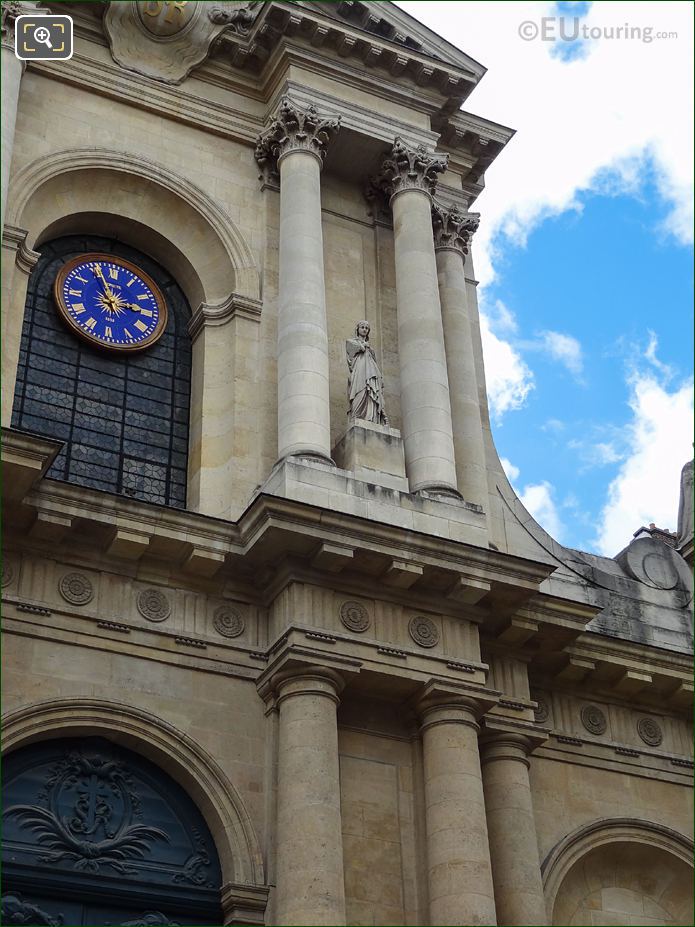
110,302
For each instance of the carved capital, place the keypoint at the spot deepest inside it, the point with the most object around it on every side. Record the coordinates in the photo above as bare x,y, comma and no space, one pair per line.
294,128
10,10
452,228
407,168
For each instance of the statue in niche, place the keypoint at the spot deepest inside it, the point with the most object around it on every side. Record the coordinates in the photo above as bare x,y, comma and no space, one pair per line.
365,382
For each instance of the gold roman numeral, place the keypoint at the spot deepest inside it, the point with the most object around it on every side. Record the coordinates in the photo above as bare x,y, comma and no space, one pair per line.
127,334
141,326
147,312
130,282
144,296
78,308
107,332
113,273
77,277
75,292
90,324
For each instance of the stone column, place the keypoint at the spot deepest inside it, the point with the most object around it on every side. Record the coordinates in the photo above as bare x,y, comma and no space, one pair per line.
295,146
452,232
408,178
458,857
309,860
511,827
12,70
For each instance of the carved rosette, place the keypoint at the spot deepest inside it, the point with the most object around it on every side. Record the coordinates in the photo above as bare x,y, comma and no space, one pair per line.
354,616
593,719
294,128
407,168
153,605
76,588
649,731
424,631
452,228
228,621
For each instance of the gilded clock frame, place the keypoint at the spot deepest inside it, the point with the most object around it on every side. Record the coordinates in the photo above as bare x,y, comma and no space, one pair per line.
64,312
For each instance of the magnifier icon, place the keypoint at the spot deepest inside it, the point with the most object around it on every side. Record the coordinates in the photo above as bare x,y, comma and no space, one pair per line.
42,35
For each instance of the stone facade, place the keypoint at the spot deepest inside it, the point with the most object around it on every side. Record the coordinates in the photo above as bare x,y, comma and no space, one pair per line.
393,697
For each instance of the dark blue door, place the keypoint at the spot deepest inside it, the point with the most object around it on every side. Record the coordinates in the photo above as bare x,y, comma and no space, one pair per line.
94,834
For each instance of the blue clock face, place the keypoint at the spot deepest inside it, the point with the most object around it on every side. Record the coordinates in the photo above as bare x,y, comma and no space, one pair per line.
110,302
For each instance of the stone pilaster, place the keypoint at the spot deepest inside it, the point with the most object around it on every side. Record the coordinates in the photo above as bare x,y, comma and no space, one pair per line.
458,857
511,827
452,233
294,147
309,866
12,70
408,178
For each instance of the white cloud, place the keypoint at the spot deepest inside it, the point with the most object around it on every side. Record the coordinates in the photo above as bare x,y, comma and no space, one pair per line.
509,468
593,123
538,500
553,425
509,379
563,348
647,486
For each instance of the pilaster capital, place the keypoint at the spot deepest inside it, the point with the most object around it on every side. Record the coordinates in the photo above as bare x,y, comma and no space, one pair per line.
407,168
452,228
209,315
15,239
294,128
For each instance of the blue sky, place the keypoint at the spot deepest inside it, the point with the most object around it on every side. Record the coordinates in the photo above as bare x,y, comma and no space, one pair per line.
585,258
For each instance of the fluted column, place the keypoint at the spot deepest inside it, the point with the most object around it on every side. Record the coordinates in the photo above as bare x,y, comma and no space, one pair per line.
310,881
458,857
452,232
12,70
511,827
295,146
408,179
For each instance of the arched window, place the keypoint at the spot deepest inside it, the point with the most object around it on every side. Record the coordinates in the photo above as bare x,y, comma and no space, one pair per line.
94,834
123,417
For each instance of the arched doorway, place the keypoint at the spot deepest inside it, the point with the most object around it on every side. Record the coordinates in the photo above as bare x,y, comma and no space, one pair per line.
95,834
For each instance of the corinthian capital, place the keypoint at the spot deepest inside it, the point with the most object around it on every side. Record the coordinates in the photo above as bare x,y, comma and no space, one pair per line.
408,169
452,228
11,9
294,128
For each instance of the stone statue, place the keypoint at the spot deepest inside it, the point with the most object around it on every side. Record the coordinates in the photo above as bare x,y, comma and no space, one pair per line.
365,383
685,507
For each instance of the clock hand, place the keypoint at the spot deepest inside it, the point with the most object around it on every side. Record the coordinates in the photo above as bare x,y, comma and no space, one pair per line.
107,288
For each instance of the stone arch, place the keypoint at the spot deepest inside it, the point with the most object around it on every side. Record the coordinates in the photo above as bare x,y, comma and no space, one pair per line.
166,746
645,846
188,228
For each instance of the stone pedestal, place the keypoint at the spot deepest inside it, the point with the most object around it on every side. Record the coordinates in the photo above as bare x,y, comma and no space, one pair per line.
511,827
374,453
